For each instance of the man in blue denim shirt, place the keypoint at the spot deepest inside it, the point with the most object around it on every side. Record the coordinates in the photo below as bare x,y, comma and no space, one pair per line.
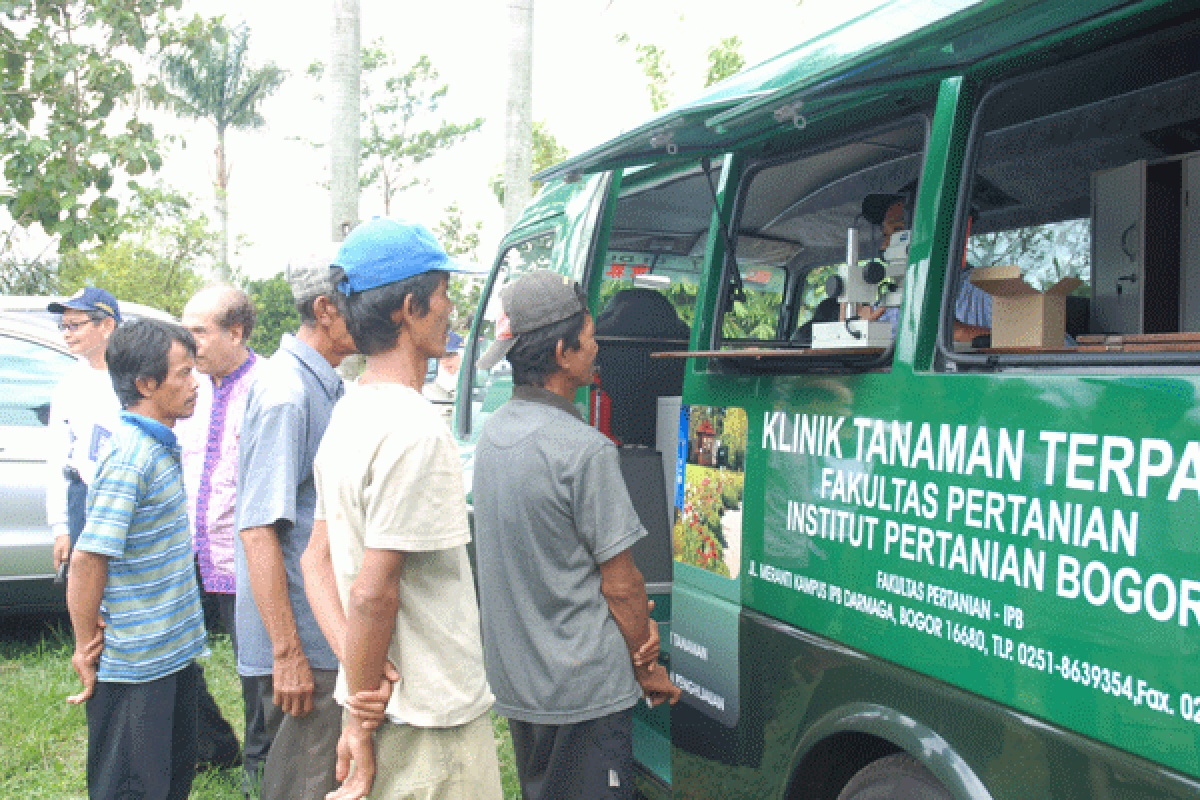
288,669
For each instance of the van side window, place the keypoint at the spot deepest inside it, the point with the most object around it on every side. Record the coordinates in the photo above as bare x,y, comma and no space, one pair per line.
490,388
1076,239
819,252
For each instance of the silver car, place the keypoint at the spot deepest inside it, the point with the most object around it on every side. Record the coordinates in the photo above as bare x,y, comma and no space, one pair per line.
33,358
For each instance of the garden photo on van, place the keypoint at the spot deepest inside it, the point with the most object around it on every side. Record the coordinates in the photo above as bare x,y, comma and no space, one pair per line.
708,515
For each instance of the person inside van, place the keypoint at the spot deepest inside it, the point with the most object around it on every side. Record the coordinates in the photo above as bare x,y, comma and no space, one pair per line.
972,305
889,212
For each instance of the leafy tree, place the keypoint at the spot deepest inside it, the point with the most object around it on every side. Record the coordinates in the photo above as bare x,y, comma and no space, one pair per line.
156,262
28,276
456,236
277,313
211,79
657,69
67,66
1045,253
546,153
396,105
461,240
724,59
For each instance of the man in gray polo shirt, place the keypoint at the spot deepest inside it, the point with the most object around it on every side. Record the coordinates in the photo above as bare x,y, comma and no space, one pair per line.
287,667
568,644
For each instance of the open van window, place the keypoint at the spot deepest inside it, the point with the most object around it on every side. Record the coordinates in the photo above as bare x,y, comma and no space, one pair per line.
820,251
1080,245
488,389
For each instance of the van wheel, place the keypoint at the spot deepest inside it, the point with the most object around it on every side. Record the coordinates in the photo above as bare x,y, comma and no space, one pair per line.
896,777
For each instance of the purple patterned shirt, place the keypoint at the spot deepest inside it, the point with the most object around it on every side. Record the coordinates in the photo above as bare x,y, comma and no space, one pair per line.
210,471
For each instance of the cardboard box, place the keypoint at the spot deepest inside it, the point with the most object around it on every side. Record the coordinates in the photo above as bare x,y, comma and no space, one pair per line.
1021,315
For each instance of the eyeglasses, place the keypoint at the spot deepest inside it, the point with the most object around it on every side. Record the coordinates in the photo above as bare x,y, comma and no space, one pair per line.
71,327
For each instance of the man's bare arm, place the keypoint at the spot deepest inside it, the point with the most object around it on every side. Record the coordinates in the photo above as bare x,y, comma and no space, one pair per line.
320,586
623,588
291,674
85,592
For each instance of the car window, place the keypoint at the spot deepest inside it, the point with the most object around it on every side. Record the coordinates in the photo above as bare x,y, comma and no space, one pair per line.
28,374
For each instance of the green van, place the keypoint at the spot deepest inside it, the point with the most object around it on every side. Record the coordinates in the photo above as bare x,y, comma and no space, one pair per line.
900,332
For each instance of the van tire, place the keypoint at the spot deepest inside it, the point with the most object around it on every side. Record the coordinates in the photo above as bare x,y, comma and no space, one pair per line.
896,777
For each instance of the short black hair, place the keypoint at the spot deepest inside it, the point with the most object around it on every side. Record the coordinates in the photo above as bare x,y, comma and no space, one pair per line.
141,349
240,314
304,307
534,355
369,313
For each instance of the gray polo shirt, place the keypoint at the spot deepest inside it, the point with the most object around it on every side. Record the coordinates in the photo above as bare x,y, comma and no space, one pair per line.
286,415
550,507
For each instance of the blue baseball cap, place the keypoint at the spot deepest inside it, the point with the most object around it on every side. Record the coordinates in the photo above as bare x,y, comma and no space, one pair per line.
382,251
89,299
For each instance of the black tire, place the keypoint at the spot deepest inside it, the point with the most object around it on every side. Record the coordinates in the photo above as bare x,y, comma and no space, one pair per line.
895,777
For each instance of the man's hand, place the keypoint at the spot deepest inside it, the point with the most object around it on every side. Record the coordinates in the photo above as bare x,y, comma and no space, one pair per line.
62,550
657,686
293,683
84,661
647,654
357,746
370,706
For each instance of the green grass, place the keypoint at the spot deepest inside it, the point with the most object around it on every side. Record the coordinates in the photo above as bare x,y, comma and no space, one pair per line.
43,741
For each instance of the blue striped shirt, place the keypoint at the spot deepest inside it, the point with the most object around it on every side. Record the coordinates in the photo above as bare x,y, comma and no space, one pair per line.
137,518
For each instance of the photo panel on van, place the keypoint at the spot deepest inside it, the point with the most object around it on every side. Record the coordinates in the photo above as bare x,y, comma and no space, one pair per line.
816,268
1076,241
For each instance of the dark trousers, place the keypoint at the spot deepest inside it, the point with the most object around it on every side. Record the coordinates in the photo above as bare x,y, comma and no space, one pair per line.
592,759
76,507
217,744
303,758
142,738
263,718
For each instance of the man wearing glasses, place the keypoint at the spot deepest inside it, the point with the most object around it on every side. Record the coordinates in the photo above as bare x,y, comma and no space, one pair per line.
83,414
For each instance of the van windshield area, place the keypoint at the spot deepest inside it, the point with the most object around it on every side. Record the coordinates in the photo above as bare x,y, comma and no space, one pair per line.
490,387
1077,240
821,246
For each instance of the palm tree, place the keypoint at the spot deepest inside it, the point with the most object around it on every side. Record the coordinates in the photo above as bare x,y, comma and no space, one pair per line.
212,80
345,145
518,137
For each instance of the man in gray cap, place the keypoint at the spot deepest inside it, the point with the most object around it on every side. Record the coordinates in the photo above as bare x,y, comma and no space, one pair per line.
554,527
84,414
288,670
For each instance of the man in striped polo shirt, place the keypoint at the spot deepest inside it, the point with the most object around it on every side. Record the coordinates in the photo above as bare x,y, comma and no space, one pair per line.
132,595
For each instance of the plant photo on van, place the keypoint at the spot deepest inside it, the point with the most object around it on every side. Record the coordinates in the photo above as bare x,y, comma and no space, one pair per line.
708,523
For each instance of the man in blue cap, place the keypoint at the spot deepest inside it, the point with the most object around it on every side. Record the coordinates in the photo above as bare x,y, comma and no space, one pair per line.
386,568
83,414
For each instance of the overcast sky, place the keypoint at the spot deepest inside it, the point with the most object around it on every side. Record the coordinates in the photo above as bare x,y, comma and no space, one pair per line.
587,88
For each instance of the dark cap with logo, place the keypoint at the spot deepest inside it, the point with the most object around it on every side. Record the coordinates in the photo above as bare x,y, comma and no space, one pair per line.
91,300
537,299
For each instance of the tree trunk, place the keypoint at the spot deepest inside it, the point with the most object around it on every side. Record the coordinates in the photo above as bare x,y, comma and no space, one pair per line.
518,156
221,184
345,144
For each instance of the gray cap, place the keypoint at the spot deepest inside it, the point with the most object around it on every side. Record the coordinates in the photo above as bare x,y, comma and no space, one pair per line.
310,280
537,299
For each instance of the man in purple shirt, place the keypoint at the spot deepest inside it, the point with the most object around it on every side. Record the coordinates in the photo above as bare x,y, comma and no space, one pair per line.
221,319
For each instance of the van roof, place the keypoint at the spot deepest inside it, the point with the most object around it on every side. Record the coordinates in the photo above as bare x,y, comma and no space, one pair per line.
906,42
